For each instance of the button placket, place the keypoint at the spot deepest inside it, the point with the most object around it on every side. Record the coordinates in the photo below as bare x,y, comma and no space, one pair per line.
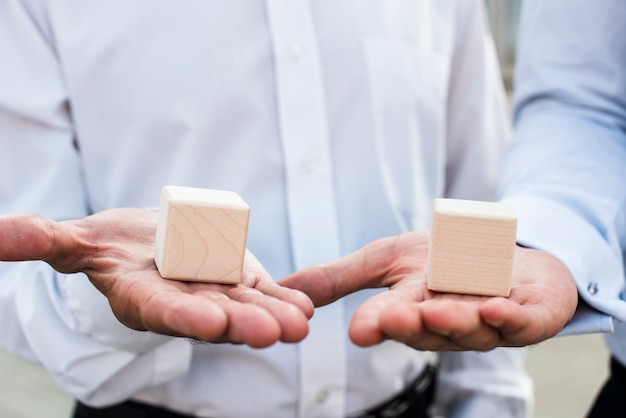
304,137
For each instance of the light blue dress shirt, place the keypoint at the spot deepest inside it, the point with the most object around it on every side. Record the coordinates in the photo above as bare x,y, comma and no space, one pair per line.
338,122
566,171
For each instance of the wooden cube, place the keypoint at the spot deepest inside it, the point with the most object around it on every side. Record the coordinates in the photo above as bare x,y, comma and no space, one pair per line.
471,247
201,235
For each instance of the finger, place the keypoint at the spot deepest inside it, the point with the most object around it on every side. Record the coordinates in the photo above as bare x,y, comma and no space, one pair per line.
328,282
318,282
176,314
27,237
543,300
205,315
291,296
250,324
292,322
209,317
460,322
366,328
367,267
255,276
437,325
403,323
519,325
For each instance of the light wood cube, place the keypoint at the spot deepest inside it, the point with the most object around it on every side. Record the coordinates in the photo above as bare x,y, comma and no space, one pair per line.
471,247
201,235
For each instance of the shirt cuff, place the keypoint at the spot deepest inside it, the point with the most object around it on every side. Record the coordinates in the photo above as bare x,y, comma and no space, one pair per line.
557,230
587,320
93,317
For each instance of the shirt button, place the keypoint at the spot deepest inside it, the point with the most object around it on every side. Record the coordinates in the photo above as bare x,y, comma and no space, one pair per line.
592,288
322,396
309,162
295,51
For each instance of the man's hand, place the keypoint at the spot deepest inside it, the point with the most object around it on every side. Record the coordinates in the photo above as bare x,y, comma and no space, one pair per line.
115,249
543,298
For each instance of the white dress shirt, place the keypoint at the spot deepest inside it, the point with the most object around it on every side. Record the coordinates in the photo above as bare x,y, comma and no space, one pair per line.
337,122
566,172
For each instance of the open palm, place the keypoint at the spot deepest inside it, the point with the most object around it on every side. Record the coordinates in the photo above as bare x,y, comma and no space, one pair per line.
115,249
542,300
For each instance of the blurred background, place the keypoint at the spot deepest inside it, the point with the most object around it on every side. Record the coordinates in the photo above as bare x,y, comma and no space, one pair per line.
504,16
568,371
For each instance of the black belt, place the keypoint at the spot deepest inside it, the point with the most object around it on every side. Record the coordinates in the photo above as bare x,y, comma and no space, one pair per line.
413,402
128,409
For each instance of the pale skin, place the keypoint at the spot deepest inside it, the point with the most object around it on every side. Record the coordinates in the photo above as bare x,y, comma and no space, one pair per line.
542,300
115,249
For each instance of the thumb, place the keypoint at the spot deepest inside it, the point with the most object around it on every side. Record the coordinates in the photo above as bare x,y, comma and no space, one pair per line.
25,237
367,267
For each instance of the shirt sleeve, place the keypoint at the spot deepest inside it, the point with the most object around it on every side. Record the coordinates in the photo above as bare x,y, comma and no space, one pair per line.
566,167
88,352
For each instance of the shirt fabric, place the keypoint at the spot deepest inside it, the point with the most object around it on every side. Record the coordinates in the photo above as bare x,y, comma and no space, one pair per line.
337,122
566,168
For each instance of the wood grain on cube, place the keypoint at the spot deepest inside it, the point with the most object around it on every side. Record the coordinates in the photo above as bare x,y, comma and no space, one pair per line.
201,235
471,247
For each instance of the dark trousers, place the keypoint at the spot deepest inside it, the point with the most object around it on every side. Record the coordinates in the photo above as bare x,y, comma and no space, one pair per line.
413,402
611,401
128,409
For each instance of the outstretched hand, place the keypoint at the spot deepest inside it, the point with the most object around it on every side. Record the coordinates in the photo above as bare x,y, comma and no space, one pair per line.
542,300
115,249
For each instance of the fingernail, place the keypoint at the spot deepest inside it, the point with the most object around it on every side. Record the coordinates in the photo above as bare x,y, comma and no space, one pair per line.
495,323
443,332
